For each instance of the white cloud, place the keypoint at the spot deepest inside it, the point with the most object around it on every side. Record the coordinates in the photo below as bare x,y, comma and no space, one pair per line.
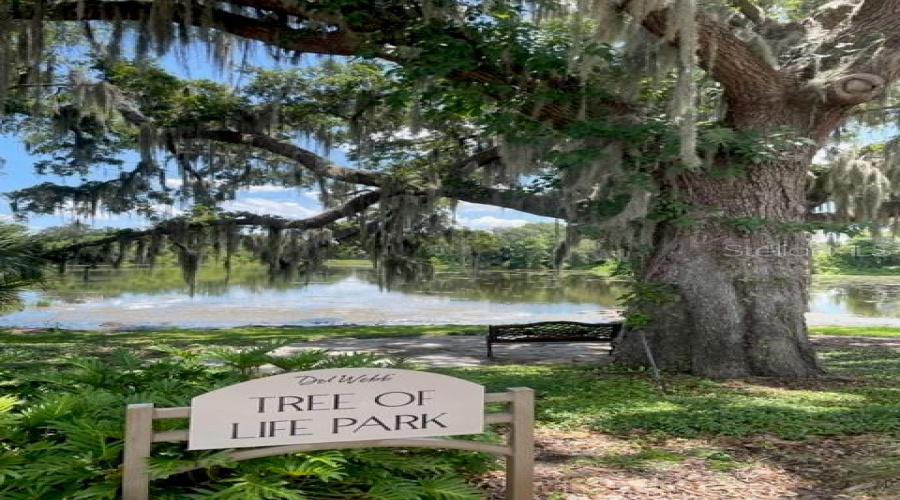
265,206
478,208
303,193
7,218
261,189
167,210
489,222
408,133
826,154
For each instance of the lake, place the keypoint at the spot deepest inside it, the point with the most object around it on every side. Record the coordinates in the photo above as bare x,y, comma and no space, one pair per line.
129,298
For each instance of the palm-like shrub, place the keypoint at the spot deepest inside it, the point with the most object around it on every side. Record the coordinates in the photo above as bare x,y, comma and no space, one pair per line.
61,434
20,264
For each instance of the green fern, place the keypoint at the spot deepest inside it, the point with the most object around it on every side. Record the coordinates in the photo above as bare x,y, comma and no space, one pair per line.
164,465
308,359
7,403
8,356
449,488
247,361
323,467
362,359
97,491
256,488
50,407
183,353
394,490
101,439
62,431
9,464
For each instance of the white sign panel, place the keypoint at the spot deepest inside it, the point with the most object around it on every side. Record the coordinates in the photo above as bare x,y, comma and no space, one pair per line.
334,405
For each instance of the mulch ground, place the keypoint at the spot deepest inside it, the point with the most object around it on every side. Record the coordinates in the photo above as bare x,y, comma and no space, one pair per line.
592,466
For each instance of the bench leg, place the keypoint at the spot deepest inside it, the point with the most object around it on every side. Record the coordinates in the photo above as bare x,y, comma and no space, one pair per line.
613,345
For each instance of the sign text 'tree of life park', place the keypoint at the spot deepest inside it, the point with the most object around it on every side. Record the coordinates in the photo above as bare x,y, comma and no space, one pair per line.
334,405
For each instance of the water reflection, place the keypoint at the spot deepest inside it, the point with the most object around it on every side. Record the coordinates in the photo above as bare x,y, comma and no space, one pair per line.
869,296
506,286
340,295
500,286
158,297
212,282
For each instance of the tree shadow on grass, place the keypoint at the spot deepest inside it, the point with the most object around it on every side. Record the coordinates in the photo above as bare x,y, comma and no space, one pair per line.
872,362
809,430
50,346
573,397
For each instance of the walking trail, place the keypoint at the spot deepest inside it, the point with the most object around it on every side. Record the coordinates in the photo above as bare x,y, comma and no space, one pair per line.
469,350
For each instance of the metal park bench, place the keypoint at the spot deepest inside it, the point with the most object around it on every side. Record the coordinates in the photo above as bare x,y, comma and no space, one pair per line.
552,331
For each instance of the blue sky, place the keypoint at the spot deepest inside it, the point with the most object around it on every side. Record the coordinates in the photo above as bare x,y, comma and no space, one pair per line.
17,172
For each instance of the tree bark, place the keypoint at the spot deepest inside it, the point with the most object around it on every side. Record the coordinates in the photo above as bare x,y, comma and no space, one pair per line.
736,294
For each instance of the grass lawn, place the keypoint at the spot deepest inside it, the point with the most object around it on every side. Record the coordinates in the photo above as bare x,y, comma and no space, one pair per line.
845,426
573,397
856,331
355,263
70,341
49,344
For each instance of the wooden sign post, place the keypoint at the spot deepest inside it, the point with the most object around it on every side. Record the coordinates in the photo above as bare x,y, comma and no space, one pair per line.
337,409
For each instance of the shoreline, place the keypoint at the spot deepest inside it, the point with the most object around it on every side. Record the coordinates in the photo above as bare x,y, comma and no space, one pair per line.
358,330
813,320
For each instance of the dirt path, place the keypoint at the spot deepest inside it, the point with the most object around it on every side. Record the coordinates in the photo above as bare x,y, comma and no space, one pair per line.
464,350
831,342
469,350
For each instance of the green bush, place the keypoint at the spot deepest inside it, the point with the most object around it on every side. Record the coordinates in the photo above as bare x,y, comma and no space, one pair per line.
61,434
20,266
861,255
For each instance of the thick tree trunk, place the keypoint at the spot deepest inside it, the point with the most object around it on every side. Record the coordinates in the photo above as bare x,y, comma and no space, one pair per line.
738,292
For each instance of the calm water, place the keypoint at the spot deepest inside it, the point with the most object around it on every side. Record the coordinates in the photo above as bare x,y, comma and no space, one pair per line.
144,298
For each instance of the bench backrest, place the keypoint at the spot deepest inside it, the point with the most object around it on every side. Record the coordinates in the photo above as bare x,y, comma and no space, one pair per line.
554,330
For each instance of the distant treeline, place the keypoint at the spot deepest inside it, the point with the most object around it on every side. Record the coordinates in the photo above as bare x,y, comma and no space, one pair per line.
863,254
530,246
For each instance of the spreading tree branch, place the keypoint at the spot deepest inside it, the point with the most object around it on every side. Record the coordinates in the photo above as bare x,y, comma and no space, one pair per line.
743,72
750,11
543,205
273,32
862,56
317,164
349,208
547,205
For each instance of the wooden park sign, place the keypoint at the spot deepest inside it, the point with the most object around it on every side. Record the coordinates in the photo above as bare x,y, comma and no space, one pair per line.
335,405
336,409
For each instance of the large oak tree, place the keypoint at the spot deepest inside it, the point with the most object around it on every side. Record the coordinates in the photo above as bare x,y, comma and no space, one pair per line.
681,131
